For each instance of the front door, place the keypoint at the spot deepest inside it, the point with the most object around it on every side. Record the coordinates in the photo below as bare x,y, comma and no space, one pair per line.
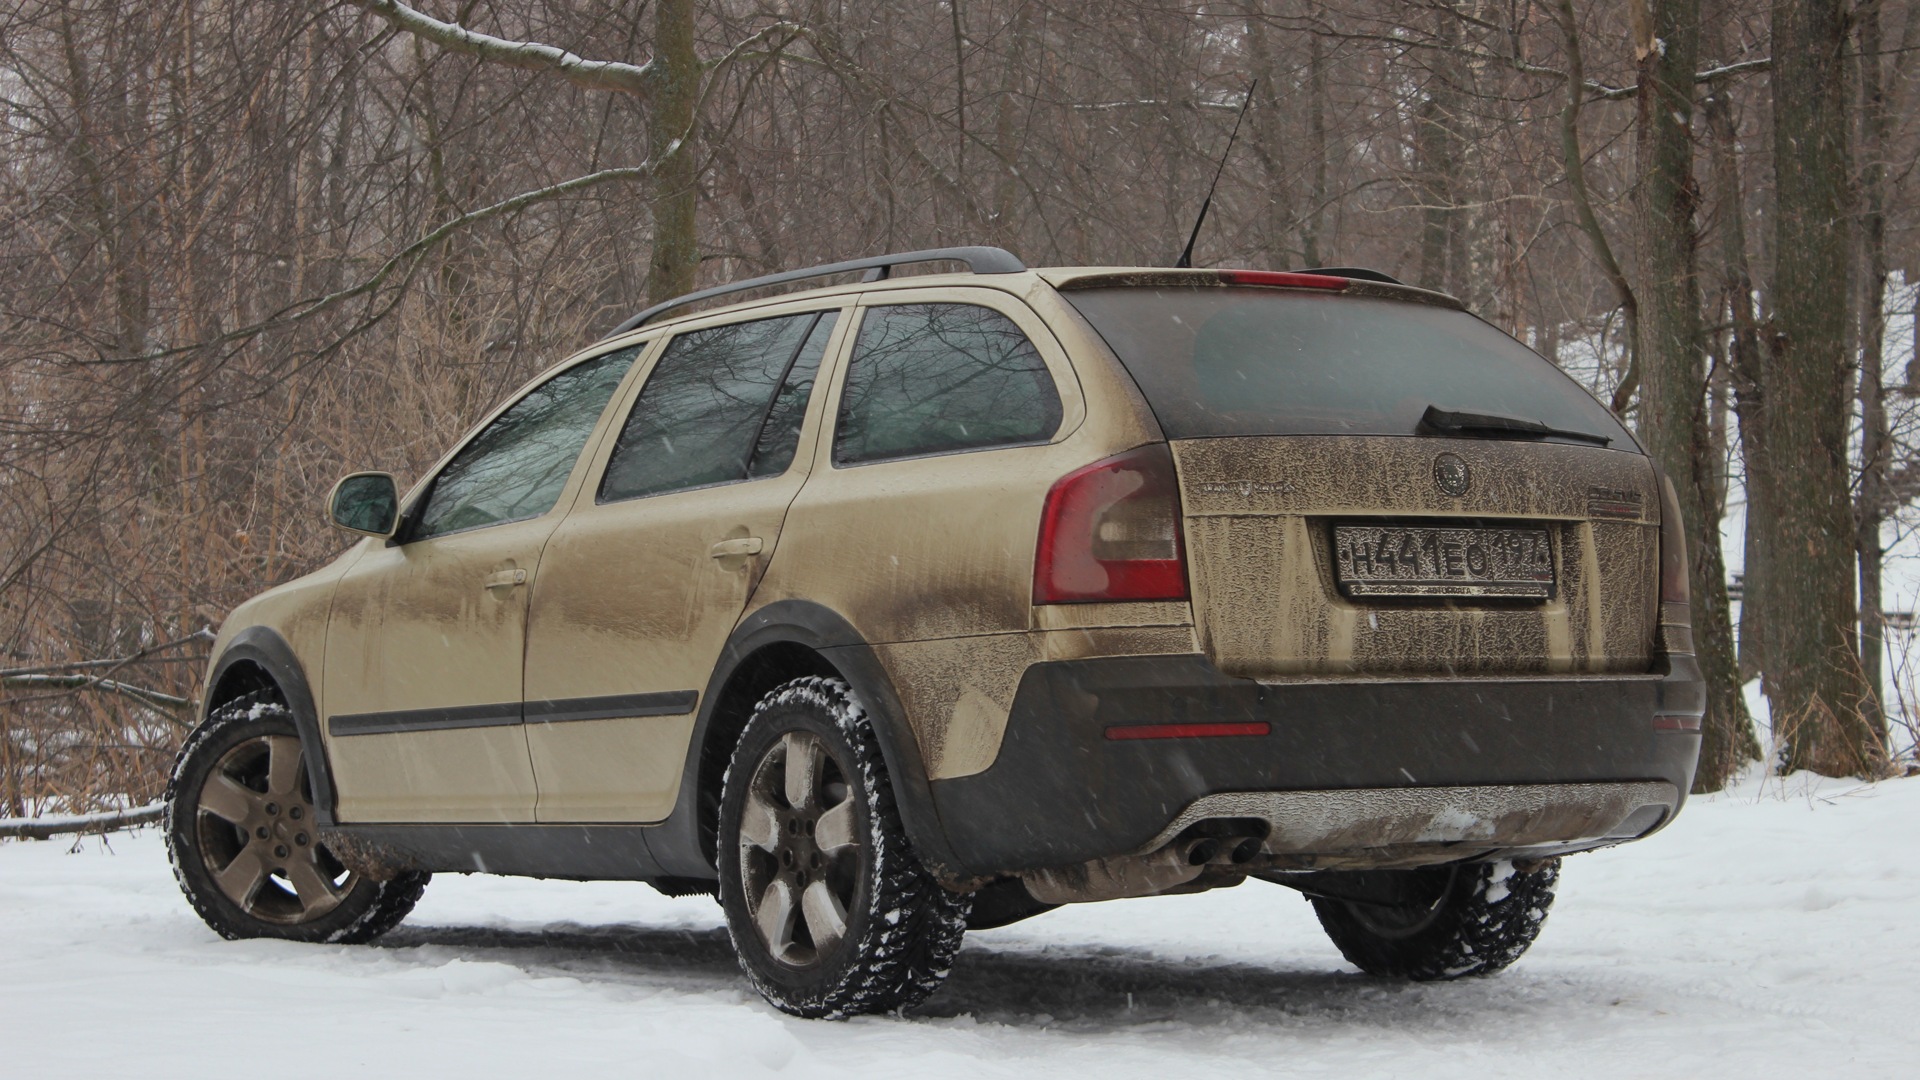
422,683
641,585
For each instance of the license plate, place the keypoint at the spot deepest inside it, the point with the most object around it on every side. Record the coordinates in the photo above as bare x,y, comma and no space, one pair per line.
1428,561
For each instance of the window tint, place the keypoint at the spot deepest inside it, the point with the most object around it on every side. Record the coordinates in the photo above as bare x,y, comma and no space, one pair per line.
515,468
723,404
1248,361
932,378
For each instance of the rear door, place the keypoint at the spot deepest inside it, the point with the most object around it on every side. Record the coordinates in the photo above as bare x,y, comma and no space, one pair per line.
422,670
642,584
1333,529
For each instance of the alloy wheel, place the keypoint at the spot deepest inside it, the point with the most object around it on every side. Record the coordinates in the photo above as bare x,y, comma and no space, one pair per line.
799,852
257,836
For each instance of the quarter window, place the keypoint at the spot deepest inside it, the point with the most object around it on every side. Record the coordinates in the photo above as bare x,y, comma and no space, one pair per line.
516,467
938,378
723,404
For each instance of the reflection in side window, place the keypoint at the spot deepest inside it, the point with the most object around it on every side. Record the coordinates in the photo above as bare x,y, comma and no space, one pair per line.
935,378
515,468
723,404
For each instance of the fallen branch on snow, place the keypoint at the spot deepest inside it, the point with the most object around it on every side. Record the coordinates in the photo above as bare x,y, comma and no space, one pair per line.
105,821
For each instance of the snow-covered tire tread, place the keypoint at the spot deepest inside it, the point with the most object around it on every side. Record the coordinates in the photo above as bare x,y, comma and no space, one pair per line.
912,927
1490,915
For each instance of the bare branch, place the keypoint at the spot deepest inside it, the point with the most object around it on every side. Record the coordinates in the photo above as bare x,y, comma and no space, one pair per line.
610,75
167,703
106,821
304,309
202,634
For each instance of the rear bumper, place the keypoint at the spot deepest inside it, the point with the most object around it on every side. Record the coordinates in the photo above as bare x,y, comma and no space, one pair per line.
1347,768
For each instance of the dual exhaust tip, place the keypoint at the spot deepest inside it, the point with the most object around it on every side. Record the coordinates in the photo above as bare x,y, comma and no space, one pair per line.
1223,850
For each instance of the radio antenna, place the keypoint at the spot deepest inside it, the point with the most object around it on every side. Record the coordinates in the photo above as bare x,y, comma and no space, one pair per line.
1186,256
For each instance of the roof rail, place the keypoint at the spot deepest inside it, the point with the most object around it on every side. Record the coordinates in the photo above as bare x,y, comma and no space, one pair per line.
979,260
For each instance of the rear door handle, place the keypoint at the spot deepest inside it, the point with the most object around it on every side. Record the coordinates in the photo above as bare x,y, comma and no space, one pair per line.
506,579
745,545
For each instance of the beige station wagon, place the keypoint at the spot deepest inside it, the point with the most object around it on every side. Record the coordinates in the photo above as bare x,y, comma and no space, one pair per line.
891,609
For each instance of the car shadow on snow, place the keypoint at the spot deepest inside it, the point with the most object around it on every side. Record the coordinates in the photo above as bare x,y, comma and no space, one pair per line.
1055,987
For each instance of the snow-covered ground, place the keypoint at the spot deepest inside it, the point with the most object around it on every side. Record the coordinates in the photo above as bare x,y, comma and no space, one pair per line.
1770,931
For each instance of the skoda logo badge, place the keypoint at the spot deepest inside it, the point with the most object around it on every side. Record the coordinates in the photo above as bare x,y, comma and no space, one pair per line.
1450,475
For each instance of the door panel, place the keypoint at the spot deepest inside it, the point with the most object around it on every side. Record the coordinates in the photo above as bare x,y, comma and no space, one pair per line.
423,679
642,584
425,643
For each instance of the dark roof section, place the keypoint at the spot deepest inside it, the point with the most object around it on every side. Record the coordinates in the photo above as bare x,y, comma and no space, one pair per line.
1353,273
979,260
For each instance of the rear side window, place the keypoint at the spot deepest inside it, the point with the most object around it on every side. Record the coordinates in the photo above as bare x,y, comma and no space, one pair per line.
516,467
1249,361
723,404
938,378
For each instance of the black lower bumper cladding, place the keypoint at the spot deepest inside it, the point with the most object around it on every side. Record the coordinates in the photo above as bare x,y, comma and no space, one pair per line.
1063,790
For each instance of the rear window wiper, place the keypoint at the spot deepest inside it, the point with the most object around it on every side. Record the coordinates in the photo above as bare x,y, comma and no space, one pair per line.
1441,421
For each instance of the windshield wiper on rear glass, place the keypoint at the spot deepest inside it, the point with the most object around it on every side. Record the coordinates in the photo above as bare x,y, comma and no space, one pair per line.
1440,421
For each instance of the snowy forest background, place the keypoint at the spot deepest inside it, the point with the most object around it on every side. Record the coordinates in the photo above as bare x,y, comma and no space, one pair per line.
246,247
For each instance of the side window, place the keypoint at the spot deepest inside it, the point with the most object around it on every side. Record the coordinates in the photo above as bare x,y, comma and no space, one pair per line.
935,378
515,469
723,404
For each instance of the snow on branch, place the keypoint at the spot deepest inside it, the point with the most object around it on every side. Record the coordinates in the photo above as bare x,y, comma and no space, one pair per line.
171,704
527,55
106,821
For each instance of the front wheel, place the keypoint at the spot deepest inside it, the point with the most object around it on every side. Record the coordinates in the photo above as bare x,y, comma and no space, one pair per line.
244,846
830,911
1457,921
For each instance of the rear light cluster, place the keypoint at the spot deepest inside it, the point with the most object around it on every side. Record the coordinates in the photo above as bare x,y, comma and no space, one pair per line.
1111,532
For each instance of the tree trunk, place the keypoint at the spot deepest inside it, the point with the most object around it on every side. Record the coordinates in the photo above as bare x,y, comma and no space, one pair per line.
1437,155
673,94
1813,672
1673,390
1875,439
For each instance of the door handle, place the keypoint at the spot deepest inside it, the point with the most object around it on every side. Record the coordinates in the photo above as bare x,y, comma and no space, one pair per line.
744,545
506,579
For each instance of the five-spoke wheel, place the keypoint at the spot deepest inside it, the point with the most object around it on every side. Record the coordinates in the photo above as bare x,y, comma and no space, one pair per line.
257,836
244,836
829,908
799,862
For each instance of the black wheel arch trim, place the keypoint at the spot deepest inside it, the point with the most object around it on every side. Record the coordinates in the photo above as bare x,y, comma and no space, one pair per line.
678,843
264,648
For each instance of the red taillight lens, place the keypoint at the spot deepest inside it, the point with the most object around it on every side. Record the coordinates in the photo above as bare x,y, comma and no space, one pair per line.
1674,586
1111,531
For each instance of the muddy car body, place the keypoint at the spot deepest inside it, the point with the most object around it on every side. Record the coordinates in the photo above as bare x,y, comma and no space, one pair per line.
1110,582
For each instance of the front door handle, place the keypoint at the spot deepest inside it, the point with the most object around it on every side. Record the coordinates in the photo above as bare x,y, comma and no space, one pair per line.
744,545
506,579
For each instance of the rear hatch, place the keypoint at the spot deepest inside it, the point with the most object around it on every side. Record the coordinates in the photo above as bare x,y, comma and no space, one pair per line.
1377,483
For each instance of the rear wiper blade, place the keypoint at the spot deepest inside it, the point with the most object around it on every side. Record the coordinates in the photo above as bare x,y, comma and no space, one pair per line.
1442,421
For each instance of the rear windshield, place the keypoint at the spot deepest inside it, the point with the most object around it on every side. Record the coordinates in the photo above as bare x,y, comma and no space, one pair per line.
1250,361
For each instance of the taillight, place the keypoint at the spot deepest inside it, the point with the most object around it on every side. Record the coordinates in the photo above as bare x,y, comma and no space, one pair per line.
1111,531
1284,278
1674,585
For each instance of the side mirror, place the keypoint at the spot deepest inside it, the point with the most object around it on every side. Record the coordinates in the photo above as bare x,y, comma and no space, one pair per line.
367,503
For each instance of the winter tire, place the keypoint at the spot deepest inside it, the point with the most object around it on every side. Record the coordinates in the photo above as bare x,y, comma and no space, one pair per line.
241,837
1480,919
829,909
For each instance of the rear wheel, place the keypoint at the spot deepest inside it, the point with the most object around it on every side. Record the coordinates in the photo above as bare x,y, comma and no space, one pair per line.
1456,921
244,847
830,911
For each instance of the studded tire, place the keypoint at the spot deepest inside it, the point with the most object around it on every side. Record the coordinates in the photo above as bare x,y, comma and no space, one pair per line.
1484,917
830,911
241,838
